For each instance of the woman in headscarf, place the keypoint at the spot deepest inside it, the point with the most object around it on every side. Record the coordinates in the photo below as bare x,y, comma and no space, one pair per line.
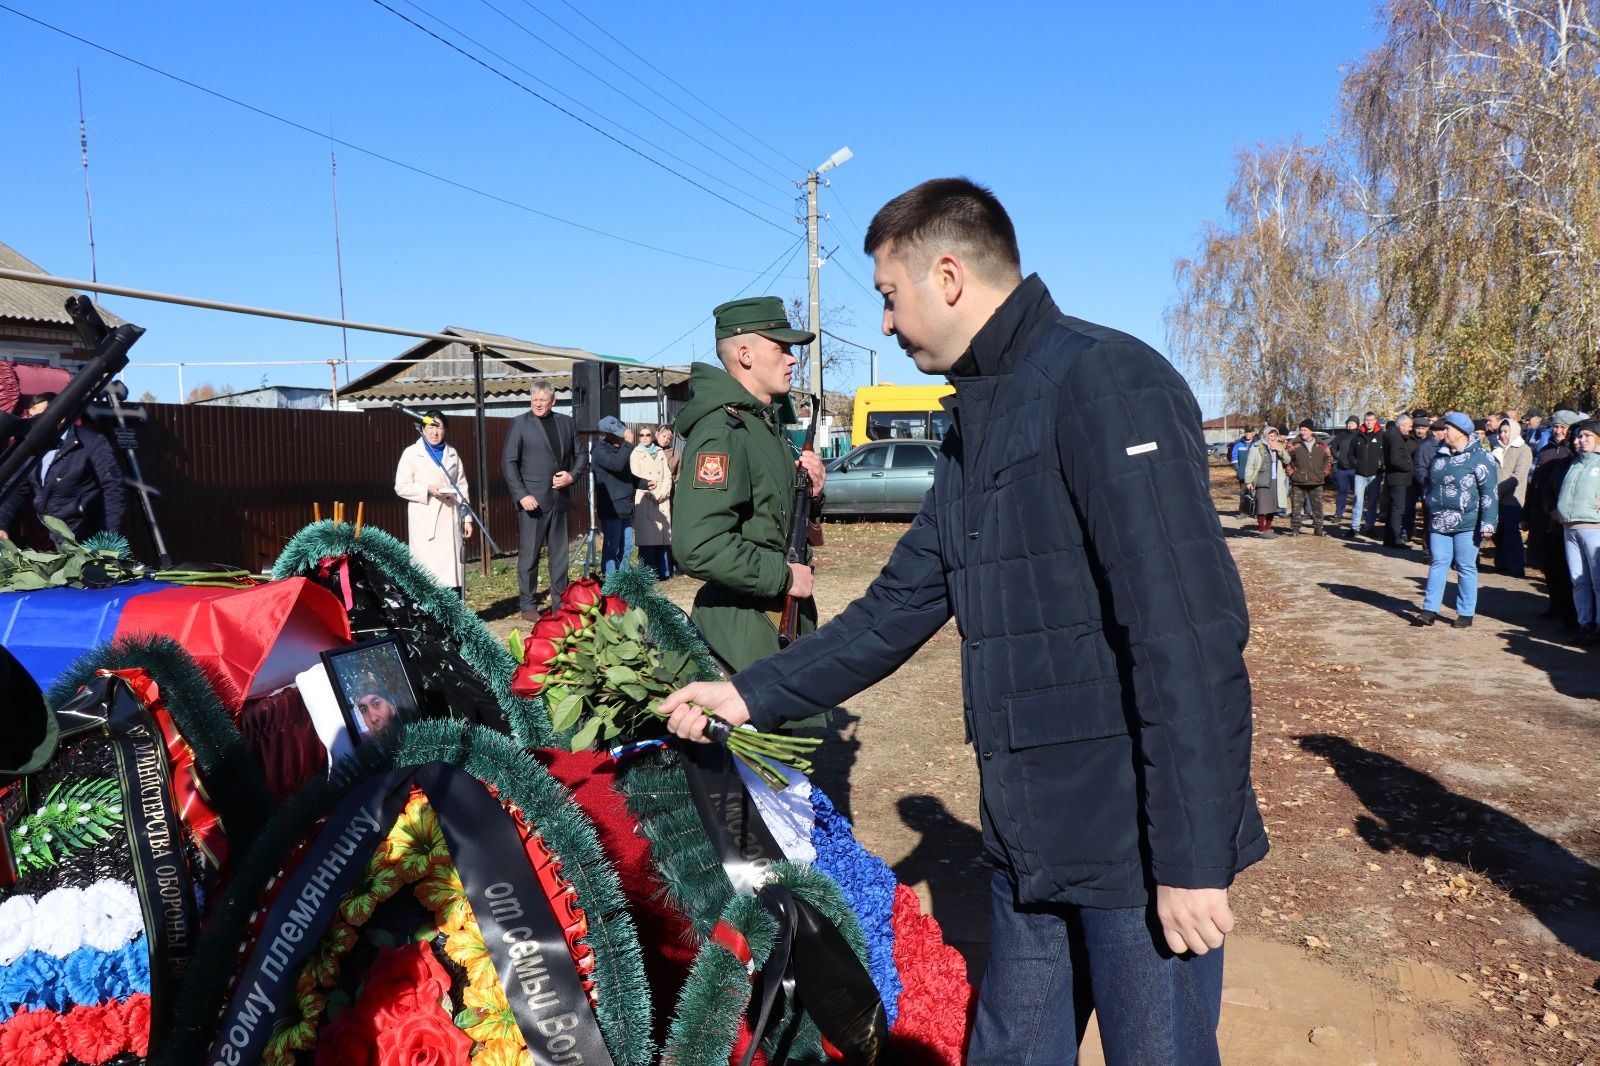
1266,469
652,504
431,480
1515,459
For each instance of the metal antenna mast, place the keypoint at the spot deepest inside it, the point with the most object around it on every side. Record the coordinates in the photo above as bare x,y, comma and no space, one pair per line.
88,204
338,261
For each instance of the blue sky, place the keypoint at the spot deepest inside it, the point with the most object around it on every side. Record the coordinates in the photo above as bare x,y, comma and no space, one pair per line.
1107,130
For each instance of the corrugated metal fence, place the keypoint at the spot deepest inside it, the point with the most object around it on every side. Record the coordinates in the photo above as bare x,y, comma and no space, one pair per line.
237,482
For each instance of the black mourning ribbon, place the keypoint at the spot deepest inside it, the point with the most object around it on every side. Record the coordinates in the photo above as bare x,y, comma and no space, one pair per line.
524,937
156,836
812,968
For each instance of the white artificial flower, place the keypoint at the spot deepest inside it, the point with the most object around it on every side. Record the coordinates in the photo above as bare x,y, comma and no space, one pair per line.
111,915
16,927
57,922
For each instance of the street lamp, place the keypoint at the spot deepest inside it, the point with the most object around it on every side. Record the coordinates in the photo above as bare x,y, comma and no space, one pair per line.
814,267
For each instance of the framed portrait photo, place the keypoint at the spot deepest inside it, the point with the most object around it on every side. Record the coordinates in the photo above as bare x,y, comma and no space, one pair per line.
373,684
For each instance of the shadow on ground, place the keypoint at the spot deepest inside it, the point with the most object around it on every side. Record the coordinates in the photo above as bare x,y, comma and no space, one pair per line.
1413,812
950,860
835,760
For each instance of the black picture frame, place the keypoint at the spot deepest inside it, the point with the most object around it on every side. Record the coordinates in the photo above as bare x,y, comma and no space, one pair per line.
365,677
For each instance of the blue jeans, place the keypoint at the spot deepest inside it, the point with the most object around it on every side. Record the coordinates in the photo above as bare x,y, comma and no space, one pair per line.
1583,557
618,546
655,557
1443,550
1049,966
1344,482
1368,487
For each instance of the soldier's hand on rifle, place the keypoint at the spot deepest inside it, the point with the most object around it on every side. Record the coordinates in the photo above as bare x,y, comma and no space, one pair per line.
800,581
815,469
686,709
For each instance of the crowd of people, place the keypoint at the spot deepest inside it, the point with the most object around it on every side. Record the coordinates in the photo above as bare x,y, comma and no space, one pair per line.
1527,487
635,469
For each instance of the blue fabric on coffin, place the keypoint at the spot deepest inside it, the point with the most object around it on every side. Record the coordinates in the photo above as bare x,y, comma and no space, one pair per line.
46,630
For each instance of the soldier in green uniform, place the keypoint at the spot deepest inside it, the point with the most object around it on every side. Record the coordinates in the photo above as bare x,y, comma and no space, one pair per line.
732,505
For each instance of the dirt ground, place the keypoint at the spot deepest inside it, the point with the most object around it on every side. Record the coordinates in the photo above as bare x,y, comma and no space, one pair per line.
1432,896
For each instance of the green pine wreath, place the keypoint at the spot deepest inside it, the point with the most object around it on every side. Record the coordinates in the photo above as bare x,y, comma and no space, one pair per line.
233,781
482,652
624,1011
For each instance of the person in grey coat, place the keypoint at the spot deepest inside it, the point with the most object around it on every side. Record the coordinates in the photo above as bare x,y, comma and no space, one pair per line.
541,462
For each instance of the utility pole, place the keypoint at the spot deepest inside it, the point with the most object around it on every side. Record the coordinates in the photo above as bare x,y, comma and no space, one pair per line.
813,272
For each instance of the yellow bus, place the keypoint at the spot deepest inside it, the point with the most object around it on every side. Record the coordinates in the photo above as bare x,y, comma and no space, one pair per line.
883,412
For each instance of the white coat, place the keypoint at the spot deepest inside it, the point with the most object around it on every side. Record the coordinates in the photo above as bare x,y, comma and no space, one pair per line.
652,508
433,525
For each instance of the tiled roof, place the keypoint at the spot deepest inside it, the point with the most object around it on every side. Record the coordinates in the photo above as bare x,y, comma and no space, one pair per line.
43,304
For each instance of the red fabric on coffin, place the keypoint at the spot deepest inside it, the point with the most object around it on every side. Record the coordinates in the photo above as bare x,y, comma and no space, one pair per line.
255,639
278,731
666,936
33,379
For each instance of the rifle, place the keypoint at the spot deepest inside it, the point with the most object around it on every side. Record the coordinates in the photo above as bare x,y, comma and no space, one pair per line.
111,355
803,531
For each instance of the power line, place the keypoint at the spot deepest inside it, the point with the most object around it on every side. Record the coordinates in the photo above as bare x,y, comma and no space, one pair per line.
692,96
834,259
631,99
580,104
791,251
578,118
329,138
661,95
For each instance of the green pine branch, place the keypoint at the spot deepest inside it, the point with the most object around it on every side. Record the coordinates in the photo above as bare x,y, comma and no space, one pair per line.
75,816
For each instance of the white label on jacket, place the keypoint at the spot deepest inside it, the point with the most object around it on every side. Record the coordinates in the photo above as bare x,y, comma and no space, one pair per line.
1140,449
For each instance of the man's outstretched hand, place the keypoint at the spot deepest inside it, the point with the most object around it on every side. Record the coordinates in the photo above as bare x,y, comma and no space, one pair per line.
686,709
1193,919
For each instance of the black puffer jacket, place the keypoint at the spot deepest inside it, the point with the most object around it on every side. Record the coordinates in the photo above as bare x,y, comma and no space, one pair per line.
1367,451
1070,531
83,486
614,483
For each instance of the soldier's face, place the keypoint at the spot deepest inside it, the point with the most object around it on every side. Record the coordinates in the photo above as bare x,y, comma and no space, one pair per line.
772,364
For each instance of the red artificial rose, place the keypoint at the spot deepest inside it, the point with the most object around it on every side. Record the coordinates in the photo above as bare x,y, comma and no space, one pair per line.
539,650
426,1038
403,981
348,1040
136,1020
94,1034
616,605
584,593
33,1038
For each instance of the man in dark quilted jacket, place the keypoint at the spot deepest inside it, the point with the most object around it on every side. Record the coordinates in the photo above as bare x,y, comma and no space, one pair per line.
1070,532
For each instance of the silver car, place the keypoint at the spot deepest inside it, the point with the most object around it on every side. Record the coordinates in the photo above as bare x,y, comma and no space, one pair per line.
885,477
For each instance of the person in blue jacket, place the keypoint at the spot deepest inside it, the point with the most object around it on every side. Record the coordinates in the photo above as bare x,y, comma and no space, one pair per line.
1462,510
1071,534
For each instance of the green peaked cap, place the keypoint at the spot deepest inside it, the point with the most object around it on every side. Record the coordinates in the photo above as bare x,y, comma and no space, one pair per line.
758,314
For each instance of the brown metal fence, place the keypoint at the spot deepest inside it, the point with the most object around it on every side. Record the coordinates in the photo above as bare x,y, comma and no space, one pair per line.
237,482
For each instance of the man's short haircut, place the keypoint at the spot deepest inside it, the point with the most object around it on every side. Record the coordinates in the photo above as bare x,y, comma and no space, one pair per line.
542,385
725,348
1370,414
949,215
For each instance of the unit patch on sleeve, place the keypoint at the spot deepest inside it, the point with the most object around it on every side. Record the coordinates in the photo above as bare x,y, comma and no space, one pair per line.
711,470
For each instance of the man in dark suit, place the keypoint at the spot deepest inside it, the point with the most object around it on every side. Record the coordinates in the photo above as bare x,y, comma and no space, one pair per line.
541,461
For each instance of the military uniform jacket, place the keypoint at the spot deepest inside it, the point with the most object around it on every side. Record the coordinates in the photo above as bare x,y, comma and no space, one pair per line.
730,515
